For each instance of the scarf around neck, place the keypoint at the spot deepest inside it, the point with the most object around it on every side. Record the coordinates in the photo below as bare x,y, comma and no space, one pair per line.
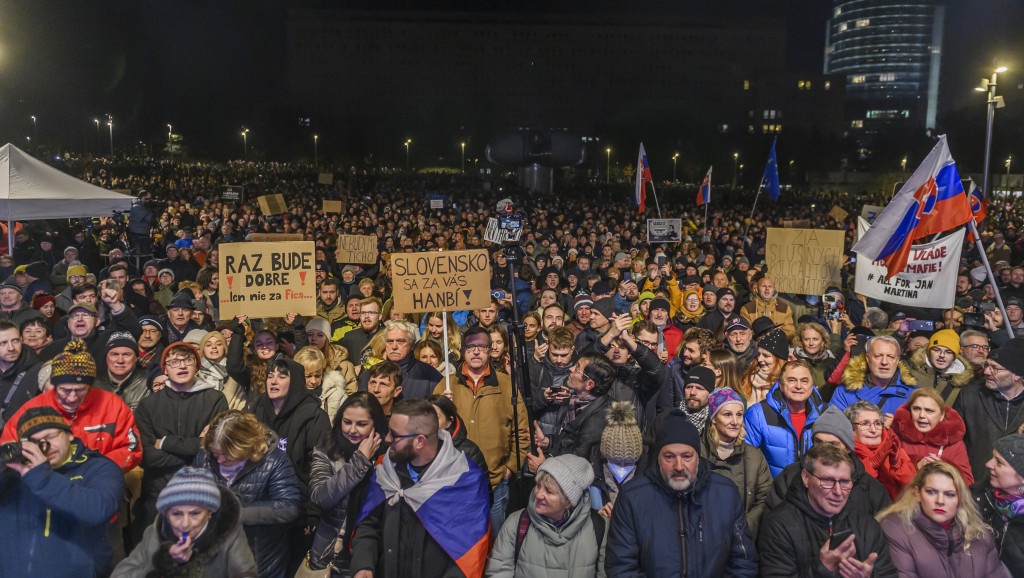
1008,505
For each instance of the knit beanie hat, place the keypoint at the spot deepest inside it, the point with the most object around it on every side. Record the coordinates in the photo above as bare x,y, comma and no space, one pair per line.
660,303
42,299
319,324
702,376
195,336
152,320
190,486
1010,355
621,441
10,284
605,306
36,419
1011,448
645,295
162,271
581,301
122,339
572,473
78,270
775,342
676,429
73,365
721,397
832,421
945,338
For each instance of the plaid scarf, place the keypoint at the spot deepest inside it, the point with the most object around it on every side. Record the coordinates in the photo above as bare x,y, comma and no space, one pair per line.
146,357
698,418
576,404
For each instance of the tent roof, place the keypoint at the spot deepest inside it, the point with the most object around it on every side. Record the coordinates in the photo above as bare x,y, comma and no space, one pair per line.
31,189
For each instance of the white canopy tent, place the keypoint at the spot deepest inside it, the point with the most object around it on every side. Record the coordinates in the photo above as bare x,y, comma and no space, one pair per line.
31,189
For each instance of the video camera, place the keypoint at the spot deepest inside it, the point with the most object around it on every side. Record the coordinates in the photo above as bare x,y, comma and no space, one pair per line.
510,223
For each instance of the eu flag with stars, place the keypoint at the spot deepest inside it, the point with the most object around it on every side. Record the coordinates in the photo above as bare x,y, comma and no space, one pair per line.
770,179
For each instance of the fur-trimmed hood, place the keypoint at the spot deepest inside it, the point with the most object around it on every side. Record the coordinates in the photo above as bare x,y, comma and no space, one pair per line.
919,363
945,433
856,373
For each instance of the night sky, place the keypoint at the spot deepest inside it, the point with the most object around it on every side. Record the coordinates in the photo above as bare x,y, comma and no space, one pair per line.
211,67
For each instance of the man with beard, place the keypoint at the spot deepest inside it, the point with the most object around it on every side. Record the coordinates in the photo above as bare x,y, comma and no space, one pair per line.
150,345
700,382
739,339
725,309
669,336
358,338
679,518
404,525
600,322
694,352
328,305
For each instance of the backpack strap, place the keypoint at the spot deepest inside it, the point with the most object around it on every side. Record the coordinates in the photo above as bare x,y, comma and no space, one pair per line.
524,526
597,521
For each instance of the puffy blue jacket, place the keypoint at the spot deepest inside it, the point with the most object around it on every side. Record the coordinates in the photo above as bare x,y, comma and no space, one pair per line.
54,522
657,531
888,398
769,428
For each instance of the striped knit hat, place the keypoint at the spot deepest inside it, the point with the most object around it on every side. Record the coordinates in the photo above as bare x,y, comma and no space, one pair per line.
36,419
73,365
191,486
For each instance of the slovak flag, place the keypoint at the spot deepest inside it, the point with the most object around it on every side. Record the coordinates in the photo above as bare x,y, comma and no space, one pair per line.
979,206
643,176
704,194
931,201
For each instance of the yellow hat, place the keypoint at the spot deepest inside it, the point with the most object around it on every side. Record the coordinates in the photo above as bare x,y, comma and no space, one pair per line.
945,338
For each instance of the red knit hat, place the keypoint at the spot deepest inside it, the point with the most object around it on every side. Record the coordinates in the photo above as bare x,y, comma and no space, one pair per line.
192,348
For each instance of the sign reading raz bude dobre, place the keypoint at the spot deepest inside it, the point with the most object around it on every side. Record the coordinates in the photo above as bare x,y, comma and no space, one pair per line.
267,279
804,261
435,281
361,249
928,281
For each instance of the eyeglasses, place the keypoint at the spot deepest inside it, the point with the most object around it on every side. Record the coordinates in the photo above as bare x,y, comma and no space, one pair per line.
995,369
829,483
402,437
977,347
651,344
478,347
868,424
181,362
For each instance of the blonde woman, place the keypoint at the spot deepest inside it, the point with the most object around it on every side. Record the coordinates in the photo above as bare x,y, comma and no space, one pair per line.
934,529
214,369
336,356
331,387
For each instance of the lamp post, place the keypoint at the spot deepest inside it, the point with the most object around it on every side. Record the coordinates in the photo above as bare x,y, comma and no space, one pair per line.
903,163
407,143
97,121
170,141
994,102
735,169
316,150
110,126
608,166
675,157
463,156
35,133
245,145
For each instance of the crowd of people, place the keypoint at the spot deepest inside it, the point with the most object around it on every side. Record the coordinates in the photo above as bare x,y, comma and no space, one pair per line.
676,415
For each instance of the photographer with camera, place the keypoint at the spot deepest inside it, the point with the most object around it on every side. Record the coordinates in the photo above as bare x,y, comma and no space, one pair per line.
56,499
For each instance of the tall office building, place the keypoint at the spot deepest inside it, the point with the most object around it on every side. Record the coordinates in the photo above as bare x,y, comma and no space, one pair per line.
890,52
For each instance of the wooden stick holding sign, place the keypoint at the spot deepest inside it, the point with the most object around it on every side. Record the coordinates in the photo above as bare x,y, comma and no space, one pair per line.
441,280
447,374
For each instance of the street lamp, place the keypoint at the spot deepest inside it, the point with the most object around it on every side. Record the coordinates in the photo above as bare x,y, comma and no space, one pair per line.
316,150
97,121
674,158
407,143
170,142
735,169
245,144
35,132
903,163
110,126
608,165
994,102
463,156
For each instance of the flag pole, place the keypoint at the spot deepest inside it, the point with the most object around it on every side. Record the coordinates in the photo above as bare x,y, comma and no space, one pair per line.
655,193
752,209
988,269
707,230
447,367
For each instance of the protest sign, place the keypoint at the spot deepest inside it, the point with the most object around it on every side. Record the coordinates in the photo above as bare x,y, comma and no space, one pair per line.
797,224
357,249
326,179
334,206
838,214
435,281
267,279
869,212
232,193
436,203
275,237
496,234
664,230
272,204
928,281
804,261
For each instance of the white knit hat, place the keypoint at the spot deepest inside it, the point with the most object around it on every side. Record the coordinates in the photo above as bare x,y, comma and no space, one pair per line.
572,473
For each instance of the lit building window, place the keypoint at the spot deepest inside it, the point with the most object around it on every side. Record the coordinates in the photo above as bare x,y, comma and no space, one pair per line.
723,128
887,77
750,128
842,27
857,124
746,85
862,22
839,10
803,85
858,79
828,85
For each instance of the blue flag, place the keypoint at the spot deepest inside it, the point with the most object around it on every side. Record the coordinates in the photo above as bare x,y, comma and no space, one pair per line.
770,179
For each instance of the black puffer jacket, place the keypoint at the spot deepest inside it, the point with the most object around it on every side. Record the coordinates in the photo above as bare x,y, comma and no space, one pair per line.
792,535
868,494
271,501
581,436
418,378
640,381
330,486
988,416
300,425
1009,534
462,442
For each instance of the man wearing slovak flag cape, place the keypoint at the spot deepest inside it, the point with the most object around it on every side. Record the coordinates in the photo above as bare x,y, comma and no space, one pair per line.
427,512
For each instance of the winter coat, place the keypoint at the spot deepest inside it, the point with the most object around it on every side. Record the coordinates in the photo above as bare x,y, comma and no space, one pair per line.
460,438
270,500
868,494
178,418
656,531
946,439
987,417
103,422
332,393
780,313
489,420
770,429
18,377
747,468
220,552
949,383
341,363
544,375
822,367
300,425
330,483
856,387
418,378
1008,533
132,389
887,462
581,436
792,535
570,551
54,521
923,548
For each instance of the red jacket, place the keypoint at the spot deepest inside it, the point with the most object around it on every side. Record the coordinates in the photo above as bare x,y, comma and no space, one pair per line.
673,338
103,422
887,462
947,436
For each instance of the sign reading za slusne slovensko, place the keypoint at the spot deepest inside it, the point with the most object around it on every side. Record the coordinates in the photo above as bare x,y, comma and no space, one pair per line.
267,279
443,280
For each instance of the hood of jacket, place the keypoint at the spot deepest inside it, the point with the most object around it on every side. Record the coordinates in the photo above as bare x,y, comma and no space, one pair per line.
340,352
296,397
947,432
960,371
578,516
856,373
